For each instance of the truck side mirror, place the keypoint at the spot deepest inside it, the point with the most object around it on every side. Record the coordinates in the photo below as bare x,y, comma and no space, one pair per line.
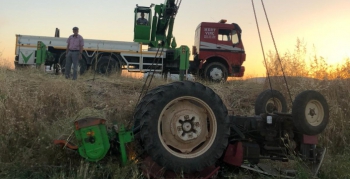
194,50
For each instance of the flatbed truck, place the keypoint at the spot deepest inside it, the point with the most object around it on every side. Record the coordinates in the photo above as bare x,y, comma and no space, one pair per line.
218,51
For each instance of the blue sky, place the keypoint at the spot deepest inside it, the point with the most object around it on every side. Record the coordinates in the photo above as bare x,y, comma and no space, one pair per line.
322,23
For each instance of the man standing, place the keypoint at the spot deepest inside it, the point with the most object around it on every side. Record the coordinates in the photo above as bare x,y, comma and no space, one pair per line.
74,52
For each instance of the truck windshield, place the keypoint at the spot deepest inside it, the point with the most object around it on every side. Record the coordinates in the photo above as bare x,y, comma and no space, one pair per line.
228,35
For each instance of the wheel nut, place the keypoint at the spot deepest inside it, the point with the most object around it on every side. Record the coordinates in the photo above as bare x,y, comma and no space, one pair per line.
186,117
179,128
196,124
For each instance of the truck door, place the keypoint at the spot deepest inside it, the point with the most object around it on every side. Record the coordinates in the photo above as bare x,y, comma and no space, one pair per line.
229,47
227,38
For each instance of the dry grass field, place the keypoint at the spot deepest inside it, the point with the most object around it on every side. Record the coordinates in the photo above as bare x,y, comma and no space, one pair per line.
36,108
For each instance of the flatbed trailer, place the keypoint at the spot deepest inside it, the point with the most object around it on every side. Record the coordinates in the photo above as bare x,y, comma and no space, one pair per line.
128,55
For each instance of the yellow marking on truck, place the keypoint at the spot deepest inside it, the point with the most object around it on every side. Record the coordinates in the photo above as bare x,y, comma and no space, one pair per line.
94,49
143,53
16,45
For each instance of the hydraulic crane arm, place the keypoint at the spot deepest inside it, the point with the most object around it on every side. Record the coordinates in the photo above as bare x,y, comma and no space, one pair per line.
166,16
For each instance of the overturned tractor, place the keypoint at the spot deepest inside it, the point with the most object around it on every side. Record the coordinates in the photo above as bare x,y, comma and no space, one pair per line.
185,130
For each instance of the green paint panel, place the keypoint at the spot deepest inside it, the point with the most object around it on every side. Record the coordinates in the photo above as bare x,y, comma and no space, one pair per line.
41,54
142,33
183,53
160,26
124,138
93,142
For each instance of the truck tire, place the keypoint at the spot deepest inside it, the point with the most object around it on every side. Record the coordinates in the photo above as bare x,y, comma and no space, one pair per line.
82,67
310,112
184,126
269,101
108,65
17,65
216,72
62,62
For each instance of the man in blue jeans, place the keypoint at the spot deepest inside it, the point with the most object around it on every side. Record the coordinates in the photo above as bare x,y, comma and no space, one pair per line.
75,44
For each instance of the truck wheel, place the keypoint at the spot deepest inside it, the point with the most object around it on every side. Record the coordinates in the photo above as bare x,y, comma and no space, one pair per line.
81,67
108,65
184,126
310,112
216,72
17,65
269,101
56,67
62,62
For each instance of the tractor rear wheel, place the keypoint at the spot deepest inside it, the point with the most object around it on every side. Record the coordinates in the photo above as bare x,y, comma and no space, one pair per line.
139,112
269,101
310,112
184,126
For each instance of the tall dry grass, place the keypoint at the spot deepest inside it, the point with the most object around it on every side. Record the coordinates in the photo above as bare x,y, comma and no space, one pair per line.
333,82
36,108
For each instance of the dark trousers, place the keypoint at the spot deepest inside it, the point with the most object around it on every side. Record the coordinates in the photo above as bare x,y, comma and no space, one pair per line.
72,58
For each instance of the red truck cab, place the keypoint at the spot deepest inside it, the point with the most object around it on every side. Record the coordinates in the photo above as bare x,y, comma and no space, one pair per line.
218,51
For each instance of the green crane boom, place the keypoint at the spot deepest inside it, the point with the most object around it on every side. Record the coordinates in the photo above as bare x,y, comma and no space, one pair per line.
159,27
157,32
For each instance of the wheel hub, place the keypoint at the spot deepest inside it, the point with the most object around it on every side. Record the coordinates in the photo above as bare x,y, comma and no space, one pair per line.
216,74
272,105
185,129
314,113
188,127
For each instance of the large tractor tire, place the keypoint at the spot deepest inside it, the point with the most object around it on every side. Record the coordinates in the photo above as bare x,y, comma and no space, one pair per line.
184,126
270,101
216,72
139,112
310,112
107,65
141,108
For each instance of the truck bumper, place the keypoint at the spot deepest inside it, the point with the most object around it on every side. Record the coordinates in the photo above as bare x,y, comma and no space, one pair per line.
238,71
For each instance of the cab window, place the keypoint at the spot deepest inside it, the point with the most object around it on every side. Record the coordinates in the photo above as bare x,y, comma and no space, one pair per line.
228,35
142,18
234,39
